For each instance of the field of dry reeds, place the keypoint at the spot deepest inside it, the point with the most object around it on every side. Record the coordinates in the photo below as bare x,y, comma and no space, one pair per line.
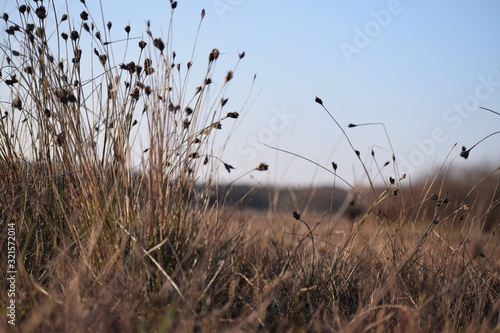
99,235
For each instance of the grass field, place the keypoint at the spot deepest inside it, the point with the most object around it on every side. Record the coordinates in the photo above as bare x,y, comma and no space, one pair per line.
94,241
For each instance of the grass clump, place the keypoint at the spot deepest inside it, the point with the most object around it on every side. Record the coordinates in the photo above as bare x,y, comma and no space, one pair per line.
109,174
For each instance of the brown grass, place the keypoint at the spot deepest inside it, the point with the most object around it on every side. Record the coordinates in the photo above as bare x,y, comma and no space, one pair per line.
103,245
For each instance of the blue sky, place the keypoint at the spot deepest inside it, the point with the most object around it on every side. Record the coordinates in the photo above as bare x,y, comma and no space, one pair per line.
422,68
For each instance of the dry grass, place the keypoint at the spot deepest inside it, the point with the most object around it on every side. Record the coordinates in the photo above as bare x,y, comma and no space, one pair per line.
105,245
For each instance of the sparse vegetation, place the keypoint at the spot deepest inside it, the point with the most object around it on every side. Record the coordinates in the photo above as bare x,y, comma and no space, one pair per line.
109,174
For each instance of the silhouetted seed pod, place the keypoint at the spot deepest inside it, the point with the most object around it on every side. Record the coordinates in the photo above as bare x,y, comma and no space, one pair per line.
102,59
127,29
203,13
5,17
22,9
386,163
334,166
84,15
142,44
228,167
173,4
98,35
241,55
464,153
64,36
296,215
158,43
262,167
188,111
109,25
229,76
213,55
74,35
17,103
318,100
233,115
223,101
205,161
86,27
357,152
64,17
41,12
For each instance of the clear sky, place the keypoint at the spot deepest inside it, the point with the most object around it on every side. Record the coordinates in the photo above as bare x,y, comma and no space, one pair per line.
422,68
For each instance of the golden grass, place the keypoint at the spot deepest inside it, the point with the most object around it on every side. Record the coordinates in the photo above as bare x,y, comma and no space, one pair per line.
102,246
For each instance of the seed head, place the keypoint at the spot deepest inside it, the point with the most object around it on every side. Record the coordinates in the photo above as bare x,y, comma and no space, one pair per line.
228,167
74,35
22,9
465,152
6,17
158,43
213,55
64,17
142,44
127,29
296,215
334,166
109,25
64,36
203,13
262,167
229,76
223,102
17,103
241,55
233,115
318,100
41,12
84,15
102,59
